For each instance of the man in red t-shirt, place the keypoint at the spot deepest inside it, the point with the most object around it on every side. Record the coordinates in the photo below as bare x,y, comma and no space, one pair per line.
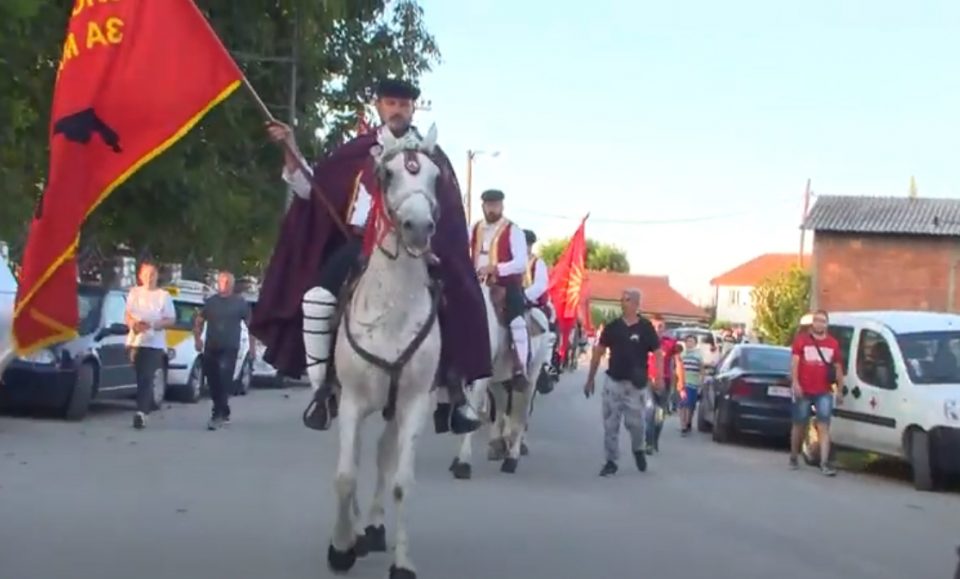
816,367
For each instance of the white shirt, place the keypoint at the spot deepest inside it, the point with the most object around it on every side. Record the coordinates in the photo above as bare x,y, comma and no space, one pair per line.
518,248
301,185
540,282
150,306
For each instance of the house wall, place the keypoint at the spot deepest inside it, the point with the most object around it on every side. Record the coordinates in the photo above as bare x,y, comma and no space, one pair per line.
735,305
862,272
614,308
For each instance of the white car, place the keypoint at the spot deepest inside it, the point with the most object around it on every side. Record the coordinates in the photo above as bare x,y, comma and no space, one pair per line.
185,368
8,296
706,343
901,393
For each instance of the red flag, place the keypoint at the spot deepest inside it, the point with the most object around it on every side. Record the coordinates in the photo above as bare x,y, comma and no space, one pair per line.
135,76
567,280
585,313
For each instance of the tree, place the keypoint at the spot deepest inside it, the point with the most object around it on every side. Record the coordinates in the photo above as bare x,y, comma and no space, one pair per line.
779,302
214,198
600,256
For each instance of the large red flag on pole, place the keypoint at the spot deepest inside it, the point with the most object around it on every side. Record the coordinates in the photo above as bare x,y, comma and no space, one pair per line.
135,76
567,279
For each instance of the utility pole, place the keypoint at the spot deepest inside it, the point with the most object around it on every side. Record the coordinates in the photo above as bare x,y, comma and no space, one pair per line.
803,229
468,202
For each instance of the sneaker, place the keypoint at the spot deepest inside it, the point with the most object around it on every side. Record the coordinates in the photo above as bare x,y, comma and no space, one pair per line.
214,424
794,463
828,470
609,469
641,459
139,420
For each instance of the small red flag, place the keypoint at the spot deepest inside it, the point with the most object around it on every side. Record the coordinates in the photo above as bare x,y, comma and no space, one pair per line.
135,76
567,279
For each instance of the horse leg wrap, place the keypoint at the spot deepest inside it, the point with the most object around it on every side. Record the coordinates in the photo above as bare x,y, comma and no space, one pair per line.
319,307
521,341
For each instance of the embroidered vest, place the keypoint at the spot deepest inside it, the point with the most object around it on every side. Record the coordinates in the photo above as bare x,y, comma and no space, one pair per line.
499,251
528,280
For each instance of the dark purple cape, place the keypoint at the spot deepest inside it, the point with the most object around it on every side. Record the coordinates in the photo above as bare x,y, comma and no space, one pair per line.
308,235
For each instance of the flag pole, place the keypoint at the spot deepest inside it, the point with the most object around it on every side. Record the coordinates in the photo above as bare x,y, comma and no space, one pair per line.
268,116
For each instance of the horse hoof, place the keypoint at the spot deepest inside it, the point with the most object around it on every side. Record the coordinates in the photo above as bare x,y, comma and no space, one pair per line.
524,451
376,539
509,465
453,465
497,450
398,573
362,546
462,471
341,562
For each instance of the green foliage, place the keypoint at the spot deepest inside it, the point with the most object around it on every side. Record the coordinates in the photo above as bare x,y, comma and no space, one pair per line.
216,196
721,325
779,302
600,256
602,316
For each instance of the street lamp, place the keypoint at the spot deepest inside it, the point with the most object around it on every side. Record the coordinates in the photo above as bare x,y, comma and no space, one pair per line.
471,155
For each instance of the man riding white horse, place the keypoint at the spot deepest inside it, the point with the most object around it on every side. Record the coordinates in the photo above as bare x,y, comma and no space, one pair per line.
297,312
499,252
536,282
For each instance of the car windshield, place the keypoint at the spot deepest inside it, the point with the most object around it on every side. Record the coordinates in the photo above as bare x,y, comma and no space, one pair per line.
931,357
186,312
766,359
88,307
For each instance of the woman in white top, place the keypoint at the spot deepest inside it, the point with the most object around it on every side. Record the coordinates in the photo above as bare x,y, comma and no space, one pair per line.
149,312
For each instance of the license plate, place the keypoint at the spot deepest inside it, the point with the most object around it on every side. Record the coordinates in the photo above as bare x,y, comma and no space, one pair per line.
779,391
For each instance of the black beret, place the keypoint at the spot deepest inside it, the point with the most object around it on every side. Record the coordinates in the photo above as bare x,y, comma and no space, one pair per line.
492,195
531,236
396,88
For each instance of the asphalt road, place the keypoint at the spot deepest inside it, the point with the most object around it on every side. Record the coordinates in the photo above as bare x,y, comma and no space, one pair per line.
99,500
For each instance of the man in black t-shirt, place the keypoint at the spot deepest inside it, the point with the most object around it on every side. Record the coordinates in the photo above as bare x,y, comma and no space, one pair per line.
630,340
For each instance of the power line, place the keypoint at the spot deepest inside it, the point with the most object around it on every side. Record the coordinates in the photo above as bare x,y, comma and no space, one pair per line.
593,219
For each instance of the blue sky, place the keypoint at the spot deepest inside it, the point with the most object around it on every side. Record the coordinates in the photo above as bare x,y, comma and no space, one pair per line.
699,120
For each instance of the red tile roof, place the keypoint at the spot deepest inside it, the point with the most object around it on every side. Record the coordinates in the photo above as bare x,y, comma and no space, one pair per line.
754,271
657,297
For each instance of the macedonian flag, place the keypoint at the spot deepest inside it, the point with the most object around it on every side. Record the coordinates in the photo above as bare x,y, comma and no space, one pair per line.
568,279
135,76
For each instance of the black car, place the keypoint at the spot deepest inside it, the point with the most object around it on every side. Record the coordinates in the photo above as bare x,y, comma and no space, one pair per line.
67,377
750,393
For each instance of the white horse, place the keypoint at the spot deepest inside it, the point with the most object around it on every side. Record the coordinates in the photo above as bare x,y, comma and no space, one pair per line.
387,354
511,407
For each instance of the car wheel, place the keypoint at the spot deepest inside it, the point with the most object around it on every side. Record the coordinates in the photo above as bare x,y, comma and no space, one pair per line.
159,389
79,403
721,423
810,447
242,386
924,472
702,424
194,388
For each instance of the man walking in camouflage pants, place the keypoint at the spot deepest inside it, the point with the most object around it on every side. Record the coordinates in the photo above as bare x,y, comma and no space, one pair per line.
630,339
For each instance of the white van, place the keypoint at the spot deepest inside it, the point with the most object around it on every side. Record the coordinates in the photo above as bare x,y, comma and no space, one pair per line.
185,372
901,395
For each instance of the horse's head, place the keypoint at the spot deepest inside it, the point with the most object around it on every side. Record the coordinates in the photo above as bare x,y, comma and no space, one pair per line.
408,179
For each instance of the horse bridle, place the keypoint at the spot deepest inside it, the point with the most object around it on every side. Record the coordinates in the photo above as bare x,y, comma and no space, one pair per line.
412,165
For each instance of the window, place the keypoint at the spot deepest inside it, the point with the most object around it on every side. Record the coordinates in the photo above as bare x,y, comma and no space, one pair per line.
844,336
875,362
114,309
767,359
931,357
186,313
734,296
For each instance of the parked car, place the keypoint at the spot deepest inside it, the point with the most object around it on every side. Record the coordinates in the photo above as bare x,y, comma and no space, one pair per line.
8,296
901,393
706,342
185,378
67,377
750,393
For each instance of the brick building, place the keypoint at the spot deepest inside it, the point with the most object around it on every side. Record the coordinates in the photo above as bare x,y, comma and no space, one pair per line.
885,253
657,296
